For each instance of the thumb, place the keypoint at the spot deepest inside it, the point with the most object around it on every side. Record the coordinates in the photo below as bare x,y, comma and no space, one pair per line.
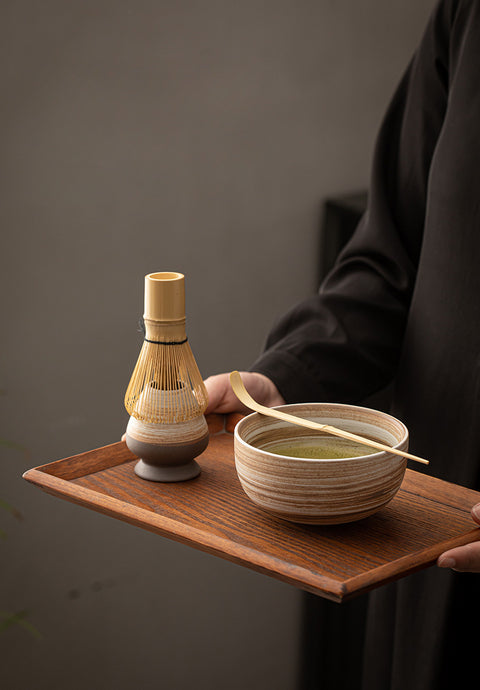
475,512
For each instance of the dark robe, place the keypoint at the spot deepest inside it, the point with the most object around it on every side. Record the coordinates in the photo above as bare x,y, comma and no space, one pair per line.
402,304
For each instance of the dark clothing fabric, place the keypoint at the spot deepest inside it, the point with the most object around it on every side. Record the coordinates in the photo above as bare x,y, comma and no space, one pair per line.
403,303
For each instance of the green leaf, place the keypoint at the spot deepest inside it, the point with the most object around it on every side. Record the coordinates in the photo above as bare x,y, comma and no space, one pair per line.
14,445
7,620
11,509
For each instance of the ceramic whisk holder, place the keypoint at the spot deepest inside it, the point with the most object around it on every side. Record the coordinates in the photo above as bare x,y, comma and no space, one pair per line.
166,450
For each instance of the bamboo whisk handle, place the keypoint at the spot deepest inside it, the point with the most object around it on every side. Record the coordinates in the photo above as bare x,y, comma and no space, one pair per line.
164,297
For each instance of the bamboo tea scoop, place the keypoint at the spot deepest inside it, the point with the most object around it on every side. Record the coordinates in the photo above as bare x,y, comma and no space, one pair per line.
245,397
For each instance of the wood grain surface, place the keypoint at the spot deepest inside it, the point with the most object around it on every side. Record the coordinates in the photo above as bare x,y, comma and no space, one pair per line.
213,514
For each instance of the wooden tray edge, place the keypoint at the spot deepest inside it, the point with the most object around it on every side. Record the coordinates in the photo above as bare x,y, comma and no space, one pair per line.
406,565
299,577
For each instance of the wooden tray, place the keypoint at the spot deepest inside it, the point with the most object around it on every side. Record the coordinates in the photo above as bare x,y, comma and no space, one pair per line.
212,513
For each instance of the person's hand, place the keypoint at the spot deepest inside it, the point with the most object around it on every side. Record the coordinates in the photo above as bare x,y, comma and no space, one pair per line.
222,399
463,558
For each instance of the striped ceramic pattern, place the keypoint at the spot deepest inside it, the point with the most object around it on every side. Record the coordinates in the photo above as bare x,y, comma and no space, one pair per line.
180,432
320,491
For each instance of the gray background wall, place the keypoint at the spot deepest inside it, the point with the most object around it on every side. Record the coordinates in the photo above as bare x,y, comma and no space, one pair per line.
139,136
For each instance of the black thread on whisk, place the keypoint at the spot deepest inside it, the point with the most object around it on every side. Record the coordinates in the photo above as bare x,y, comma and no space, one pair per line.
141,327
166,342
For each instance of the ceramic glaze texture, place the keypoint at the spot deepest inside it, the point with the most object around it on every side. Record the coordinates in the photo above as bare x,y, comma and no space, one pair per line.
167,451
324,491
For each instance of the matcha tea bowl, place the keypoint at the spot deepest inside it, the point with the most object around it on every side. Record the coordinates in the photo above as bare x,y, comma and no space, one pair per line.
312,477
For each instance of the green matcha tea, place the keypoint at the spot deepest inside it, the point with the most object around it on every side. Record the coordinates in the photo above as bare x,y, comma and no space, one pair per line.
320,450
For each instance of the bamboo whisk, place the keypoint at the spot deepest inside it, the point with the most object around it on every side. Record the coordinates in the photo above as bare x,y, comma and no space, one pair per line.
166,396
166,385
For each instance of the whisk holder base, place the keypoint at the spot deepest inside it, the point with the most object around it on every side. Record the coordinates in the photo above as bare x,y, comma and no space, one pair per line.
167,451
164,473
